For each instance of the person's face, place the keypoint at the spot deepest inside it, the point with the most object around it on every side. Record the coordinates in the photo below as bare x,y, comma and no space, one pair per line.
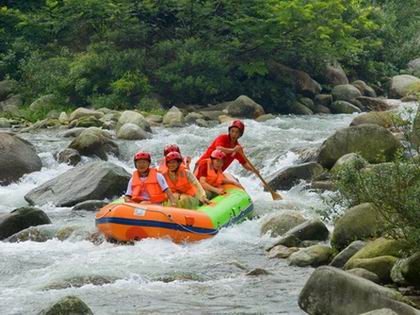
234,133
142,165
172,165
217,164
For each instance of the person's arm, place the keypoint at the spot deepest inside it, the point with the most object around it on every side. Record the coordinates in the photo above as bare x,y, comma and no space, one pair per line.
129,192
229,150
171,197
165,188
209,187
201,192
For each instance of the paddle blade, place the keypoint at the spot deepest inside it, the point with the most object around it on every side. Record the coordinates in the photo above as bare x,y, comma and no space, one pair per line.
276,196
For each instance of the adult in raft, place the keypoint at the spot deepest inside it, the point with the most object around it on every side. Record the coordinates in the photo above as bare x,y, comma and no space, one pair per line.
147,185
229,145
183,184
211,176
173,148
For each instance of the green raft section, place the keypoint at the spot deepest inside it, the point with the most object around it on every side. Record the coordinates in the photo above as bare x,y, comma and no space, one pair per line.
225,210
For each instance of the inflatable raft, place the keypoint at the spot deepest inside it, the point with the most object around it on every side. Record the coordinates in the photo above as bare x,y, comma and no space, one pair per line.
128,221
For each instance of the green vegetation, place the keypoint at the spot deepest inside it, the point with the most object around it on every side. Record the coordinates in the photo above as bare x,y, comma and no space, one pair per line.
116,53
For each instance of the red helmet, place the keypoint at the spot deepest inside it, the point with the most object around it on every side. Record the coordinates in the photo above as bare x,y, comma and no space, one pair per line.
142,156
171,148
173,156
217,154
238,124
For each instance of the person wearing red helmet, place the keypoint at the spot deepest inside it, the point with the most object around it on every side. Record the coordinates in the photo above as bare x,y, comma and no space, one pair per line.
147,185
228,144
211,176
172,148
183,184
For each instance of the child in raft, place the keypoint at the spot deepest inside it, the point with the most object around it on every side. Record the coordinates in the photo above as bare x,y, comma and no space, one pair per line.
147,185
211,176
183,184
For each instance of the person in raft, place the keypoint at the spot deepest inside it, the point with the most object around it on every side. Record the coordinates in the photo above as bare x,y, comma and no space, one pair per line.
228,144
211,176
173,148
147,185
183,184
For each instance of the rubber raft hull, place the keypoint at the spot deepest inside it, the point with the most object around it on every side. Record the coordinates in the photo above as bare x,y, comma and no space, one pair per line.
127,221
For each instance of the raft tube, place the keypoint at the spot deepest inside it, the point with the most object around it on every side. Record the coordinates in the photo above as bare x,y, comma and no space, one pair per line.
129,221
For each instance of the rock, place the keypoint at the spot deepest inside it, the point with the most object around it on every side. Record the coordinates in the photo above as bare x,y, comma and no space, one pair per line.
92,181
310,230
68,305
331,291
353,159
79,281
307,102
225,119
314,256
323,99
407,271
381,266
369,224
343,107
287,240
154,120
94,141
281,251
307,154
5,123
258,272
287,178
413,67
373,103
131,131
265,117
7,87
372,142
345,92
341,259
33,233
300,109
191,118
45,102
202,123
174,118
84,112
382,311
135,118
86,122
400,85
279,224
334,74
20,219
17,157
364,88
383,119
73,132
415,135
366,274
244,107
68,156
212,114
11,105
323,185
321,109
90,205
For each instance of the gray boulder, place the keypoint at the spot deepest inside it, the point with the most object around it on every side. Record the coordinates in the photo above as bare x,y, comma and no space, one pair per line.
7,87
72,133
381,266
191,118
130,131
323,99
310,230
300,109
281,251
174,118
90,205
331,291
334,74
4,123
343,107
283,222
366,274
414,67
343,257
313,256
68,156
135,118
95,180
85,112
383,119
372,142
353,159
373,103
286,179
154,120
244,107
17,157
400,85
20,219
382,311
364,88
407,271
345,92
45,102
68,305
265,117
11,106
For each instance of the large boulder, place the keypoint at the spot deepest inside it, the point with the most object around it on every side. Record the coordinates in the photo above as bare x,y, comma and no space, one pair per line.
94,141
364,88
334,74
281,251
191,118
373,103
300,109
381,266
323,99
368,275
20,219
372,142
361,222
383,119
90,205
345,92
7,87
331,291
84,112
95,180
343,257
343,107
407,271
400,85
45,102
17,157
130,131
68,156
68,305
312,230
350,159
11,106
286,179
244,107
86,122
314,256
174,118
281,223
4,123
414,67
135,118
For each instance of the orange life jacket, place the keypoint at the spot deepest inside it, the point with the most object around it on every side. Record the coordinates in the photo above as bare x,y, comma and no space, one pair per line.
163,168
150,185
214,178
182,185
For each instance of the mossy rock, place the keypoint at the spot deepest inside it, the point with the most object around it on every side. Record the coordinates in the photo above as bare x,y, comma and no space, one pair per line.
381,266
68,305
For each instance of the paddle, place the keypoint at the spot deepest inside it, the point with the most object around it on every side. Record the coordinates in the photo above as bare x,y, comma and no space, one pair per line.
274,195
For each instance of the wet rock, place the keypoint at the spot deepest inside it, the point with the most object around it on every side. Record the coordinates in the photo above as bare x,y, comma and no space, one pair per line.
258,272
321,109
327,289
323,99
382,311
20,219
300,109
135,118
343,107
65,232
383,119
7,87
68,156
400,85
281,223
212,114
202,123
45,102
323,185
265,117
86,122
154,120
90,205
314,256
95,181
381,266
407,271
225,119
131,131
288,240
310,230
373,103
382,247
80,281
5,123
372,142
281,251
345,92
73,132
307,102
180,276
364,88
244,107
343,257
366,274
33,233
174,118
94,141
287,178
307,155
334,74
68,305
85,112
191,118
17,157
353,159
